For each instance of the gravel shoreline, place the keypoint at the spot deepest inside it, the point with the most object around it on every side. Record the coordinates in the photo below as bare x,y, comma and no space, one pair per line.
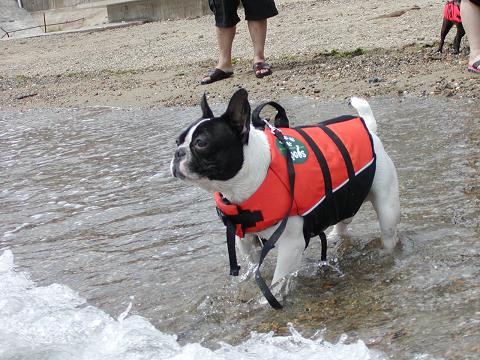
324,49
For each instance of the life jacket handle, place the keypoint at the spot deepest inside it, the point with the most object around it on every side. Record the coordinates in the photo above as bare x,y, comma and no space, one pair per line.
280,121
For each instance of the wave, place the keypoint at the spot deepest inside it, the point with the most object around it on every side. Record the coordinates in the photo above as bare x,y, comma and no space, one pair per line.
54,322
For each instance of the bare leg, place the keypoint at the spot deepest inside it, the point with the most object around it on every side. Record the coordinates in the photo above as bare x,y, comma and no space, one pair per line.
258,34
471,22
225,38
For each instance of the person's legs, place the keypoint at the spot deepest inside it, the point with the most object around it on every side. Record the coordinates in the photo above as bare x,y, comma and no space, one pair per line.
258,34
225,38
226,19
256,13
471,22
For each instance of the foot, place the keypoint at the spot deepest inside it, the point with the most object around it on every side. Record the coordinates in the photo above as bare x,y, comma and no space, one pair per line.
475,67
262,69
216,75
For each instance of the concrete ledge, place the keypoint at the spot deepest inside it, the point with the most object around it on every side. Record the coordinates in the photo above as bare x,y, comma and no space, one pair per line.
151,10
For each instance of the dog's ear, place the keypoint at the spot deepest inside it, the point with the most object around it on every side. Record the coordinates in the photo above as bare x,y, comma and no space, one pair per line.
206,111
238,113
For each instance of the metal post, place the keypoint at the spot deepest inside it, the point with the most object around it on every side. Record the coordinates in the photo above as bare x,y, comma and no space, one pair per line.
44,23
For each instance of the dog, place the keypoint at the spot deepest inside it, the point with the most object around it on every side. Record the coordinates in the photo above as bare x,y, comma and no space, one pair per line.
451,16
231,158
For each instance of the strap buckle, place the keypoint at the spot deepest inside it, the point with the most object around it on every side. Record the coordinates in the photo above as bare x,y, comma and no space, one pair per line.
272,128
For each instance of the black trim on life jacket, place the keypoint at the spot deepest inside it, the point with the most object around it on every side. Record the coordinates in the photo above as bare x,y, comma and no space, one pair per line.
338,119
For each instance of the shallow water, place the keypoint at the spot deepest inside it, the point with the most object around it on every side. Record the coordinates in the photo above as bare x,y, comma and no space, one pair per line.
87,201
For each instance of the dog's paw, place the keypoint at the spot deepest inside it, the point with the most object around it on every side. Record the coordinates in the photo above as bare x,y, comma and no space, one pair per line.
263,301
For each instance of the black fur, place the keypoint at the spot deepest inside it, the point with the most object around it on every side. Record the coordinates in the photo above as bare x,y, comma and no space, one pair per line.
217,144
221,156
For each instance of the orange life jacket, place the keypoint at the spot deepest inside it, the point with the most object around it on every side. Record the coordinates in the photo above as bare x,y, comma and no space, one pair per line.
334,165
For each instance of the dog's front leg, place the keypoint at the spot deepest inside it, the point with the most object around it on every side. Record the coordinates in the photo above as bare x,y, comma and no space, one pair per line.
250,247
290,249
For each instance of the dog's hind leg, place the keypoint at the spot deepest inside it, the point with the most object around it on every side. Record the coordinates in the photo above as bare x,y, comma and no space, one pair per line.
341,227
446,26
384,196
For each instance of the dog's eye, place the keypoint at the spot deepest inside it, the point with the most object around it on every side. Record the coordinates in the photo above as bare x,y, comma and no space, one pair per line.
200,143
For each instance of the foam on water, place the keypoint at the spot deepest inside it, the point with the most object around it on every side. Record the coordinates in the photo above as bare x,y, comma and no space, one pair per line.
54,322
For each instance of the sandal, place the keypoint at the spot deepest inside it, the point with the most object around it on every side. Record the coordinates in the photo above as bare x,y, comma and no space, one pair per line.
216,75
259,66
475,67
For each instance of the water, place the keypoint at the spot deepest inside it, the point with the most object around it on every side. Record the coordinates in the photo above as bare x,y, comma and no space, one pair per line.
89,210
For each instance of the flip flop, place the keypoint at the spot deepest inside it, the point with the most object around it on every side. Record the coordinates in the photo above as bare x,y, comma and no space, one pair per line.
216,75
475,67
259,66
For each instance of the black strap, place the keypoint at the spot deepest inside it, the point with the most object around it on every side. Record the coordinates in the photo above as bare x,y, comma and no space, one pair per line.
281,119
232,255
327,179
270,244
342,148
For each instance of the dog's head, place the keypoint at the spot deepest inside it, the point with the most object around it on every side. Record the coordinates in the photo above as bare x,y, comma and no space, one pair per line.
211,148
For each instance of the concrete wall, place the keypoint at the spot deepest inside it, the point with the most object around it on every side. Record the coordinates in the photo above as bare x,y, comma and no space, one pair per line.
38,5
14,18
156,10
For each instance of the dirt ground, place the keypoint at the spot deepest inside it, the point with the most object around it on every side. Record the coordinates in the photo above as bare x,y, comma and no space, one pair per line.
322,49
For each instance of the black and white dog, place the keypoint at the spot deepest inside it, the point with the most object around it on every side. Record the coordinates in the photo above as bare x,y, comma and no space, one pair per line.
226,154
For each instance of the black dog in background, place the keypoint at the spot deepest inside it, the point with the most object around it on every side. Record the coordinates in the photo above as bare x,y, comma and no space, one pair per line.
451,16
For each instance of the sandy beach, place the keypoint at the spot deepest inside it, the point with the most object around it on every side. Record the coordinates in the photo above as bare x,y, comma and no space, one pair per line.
321,49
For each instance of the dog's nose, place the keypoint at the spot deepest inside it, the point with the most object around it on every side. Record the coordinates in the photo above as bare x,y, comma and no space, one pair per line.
180,153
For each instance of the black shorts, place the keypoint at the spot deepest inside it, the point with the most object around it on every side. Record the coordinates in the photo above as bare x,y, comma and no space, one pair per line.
226,11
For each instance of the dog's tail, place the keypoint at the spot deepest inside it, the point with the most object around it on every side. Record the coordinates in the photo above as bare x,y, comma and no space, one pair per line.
364,111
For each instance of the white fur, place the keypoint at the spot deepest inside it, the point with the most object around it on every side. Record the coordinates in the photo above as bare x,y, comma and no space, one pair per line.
365,112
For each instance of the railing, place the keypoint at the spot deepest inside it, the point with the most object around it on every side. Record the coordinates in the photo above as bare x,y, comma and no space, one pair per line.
44,26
